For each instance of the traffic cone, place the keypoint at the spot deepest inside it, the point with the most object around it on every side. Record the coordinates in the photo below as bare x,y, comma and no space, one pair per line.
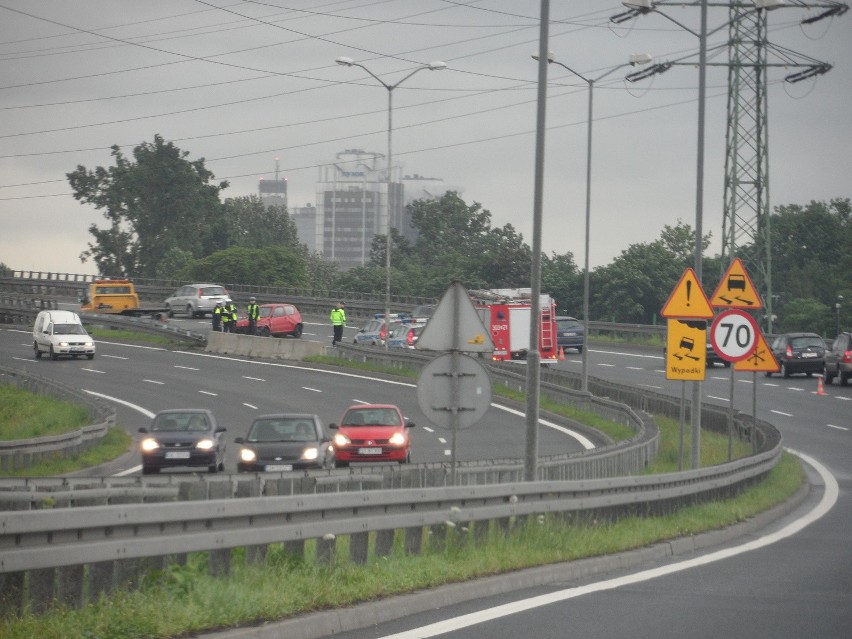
820,387
561,354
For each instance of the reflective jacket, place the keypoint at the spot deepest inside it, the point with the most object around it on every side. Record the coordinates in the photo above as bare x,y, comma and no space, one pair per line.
337,316
253,311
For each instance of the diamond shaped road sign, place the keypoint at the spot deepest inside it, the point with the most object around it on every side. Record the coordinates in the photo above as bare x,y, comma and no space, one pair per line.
455,325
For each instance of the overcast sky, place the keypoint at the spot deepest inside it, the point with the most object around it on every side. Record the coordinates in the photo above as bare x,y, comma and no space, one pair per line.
242,84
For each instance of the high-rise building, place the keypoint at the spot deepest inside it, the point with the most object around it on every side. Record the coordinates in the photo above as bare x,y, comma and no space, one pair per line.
273,192
305,219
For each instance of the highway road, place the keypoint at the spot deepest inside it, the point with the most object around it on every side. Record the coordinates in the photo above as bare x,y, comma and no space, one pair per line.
793,579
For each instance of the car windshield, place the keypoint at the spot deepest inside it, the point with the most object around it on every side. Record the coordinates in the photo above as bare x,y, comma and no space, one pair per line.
283,429
568,323
265,311
807,342
371,417
177,422
68,329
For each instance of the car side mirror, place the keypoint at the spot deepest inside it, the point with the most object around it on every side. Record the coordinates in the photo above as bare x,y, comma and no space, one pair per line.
332,426
239,440
142,429
221,429
409,423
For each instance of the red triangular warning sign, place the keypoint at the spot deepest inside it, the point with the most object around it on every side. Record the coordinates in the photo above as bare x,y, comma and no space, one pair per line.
736,289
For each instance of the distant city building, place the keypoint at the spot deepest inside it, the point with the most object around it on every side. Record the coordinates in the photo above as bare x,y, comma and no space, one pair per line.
273,192
305,219
418,187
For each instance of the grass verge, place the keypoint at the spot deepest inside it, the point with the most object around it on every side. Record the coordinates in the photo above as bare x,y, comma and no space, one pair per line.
185,600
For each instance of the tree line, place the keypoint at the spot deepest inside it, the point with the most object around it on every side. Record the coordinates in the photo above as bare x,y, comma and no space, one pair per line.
166,219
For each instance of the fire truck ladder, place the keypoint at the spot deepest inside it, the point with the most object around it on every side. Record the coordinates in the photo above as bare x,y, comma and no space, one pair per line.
546,328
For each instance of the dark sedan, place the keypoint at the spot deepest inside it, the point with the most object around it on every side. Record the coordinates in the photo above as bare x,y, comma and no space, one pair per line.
838,359
799,353
182,437
285,442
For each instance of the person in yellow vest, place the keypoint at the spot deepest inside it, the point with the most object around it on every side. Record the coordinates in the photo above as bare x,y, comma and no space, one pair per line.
229,316
253,312
338,321
217,317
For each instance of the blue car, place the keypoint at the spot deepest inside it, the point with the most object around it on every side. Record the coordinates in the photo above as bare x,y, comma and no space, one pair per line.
570,333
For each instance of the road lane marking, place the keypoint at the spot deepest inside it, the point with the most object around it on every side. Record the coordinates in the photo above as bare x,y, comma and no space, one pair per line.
428,430
93,370
837,427
252,406
721,399
313,390
153,381
113,356
606,365
254,379
189,368
442,440
829,499
209,393
778,412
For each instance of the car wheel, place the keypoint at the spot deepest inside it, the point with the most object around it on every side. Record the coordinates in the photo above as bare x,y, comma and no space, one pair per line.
222,466
189,312
169,311
785,372
844,378
213,468
340,464
90,356
150,470
53,354
725,364
36,352
298,332
263,331
580,350
827,375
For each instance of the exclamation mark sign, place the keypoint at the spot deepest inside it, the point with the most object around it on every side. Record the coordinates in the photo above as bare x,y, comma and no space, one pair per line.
688,290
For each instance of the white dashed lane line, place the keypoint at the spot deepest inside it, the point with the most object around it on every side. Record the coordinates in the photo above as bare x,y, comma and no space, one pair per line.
313,390
188,368
209,393
152,381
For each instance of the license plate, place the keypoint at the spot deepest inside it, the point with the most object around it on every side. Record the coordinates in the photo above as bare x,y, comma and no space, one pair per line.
809,354
273,468
369,451
77,350
177,454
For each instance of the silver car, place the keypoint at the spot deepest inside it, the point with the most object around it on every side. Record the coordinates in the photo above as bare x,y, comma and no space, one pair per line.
196,300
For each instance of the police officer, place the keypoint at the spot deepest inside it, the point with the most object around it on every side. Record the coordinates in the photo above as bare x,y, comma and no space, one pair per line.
229,316
338,321
253,312
217,317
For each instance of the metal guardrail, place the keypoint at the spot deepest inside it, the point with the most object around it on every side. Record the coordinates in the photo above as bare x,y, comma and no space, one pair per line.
54,546
24,453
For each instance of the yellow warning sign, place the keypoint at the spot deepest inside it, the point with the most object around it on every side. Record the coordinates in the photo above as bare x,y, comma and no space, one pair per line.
687,300
761,360
686,349
736,289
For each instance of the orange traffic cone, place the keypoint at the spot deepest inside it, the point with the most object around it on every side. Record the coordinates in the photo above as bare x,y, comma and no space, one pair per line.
561,354
820,387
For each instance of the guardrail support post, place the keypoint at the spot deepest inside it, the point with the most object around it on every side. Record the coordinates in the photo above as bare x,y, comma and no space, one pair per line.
384,543
40,592
11,593
326,550
359,545
413,540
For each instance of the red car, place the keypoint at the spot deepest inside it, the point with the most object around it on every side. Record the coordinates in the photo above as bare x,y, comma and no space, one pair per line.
372,432
276,320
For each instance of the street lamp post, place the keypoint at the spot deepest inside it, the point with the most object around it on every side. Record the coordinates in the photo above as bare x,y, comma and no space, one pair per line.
635,59
837,306
432,66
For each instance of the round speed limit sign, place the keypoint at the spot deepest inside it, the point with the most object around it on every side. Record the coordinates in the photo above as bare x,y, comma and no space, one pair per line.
734,335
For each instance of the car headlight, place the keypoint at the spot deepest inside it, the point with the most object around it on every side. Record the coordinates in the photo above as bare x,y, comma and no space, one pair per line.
248,455
397,439
341,440
310,453
63,344
205,444
149,444
89,344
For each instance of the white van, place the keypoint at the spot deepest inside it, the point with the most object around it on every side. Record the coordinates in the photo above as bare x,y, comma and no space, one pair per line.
61,333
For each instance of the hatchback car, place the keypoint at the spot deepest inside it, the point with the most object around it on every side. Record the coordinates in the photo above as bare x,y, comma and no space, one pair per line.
285,442
371,333
570,333
372,432
196,300
838,359
799,353
276,320
182,437
405,335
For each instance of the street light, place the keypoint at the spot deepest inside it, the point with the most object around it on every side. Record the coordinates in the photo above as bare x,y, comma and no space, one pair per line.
635,59
432,66
837,307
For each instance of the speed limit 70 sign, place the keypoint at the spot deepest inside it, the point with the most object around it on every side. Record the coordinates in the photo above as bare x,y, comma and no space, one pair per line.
734,335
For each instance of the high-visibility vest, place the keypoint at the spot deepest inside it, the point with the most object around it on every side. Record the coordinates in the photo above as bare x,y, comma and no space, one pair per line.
253,311
337,316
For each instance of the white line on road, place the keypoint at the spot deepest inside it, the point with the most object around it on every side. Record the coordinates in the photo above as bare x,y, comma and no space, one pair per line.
93,370
448,452
313,390
189,368
778,412
829,499
442,440
113,356
428,430
252,406
721,399
153,381
209,393
634,368
606,365
254,379
837,427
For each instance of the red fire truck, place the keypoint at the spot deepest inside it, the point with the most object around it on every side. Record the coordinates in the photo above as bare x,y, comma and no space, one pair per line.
506,313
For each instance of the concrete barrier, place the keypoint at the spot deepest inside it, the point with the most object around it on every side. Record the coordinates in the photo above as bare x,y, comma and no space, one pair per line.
263,347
